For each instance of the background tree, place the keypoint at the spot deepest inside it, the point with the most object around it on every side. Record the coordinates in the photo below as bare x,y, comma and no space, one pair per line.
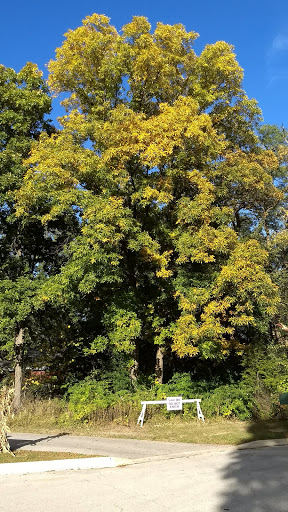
29,251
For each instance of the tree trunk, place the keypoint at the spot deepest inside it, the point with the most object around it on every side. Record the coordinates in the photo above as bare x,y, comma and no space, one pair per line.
159,367
18,372
135,366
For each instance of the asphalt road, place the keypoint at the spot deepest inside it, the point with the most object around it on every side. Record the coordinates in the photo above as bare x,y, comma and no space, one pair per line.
121,448
205,480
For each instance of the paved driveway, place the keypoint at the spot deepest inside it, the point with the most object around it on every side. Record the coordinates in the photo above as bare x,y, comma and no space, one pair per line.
121,448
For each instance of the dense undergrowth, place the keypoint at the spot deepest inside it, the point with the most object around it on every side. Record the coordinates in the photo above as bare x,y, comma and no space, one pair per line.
109,396
101,401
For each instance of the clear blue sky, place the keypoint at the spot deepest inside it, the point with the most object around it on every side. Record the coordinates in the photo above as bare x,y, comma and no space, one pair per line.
31,30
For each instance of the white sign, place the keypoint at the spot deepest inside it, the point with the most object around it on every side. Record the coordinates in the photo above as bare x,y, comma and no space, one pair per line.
174,403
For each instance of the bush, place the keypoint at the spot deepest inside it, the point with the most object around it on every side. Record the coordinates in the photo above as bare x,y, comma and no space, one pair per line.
229,400
95,399
100,397
266,374
88,396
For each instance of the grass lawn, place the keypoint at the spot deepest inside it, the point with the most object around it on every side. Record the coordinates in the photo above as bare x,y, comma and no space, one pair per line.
217,431
52,417
31,456
210,432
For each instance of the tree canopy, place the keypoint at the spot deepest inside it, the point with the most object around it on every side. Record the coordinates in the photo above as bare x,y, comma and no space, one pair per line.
159,162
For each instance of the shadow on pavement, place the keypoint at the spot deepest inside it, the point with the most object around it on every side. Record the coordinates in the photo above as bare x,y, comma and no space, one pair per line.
256,479
16,444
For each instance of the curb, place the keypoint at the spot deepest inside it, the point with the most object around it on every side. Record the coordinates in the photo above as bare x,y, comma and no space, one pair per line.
23,468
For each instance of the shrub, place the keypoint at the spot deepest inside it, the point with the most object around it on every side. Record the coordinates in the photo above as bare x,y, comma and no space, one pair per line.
254,395
230,400
226,400
87,396
98,400
266,373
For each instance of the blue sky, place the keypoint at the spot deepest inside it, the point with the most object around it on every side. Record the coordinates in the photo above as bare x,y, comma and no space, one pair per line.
31,30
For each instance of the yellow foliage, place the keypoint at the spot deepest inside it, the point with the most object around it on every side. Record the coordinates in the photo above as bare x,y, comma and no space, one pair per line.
154,152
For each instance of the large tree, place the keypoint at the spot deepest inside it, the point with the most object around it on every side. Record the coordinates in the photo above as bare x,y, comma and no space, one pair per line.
159,162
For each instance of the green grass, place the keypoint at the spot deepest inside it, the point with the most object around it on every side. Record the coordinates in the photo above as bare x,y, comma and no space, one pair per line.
52,417
31,456
210,432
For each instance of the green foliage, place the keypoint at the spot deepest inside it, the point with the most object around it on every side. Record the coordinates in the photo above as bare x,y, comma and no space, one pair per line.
23,104
16,304
266,372
167,180
255,395
267,367
228,401
271,136
218,399
123,328
88,396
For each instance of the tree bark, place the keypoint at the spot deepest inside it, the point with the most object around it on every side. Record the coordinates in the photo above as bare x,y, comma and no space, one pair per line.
159,367
18,372
135,366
